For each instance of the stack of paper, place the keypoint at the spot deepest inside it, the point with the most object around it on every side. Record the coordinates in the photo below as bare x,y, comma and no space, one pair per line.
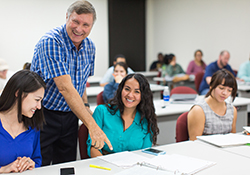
171,164
181,164
226,139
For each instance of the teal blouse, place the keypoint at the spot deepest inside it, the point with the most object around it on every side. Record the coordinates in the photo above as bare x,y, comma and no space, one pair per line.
172,70
133,138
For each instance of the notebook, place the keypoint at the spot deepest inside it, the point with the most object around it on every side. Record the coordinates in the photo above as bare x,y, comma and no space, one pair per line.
224,140
173,164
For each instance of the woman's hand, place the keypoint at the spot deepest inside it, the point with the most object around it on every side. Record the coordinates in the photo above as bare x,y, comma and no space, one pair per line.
25,163
12,167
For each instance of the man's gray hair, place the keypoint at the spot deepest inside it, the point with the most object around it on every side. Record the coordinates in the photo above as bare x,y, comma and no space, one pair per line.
81,7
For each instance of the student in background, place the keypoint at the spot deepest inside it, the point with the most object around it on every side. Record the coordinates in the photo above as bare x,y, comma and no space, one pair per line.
156,65
244,71
173,69
214,115
120,71
108,76
21,118
5,73
221,63
196,65
170,67
129,120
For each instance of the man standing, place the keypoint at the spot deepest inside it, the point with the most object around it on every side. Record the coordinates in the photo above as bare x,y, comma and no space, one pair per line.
221,63
64,57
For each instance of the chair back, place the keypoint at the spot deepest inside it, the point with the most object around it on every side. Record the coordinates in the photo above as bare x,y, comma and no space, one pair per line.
158,75
236,72
87,84
99,99
182,90
197,80
83,136
182,128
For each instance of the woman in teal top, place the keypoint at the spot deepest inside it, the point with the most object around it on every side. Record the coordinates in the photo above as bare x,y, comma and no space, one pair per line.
129,120
170,67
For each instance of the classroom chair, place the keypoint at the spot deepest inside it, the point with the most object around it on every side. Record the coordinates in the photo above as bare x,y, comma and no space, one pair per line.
99,99
197,80
182,90
236,72
182,128
83,136
87,84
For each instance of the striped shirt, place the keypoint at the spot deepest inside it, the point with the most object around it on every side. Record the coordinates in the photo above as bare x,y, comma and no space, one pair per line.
56,55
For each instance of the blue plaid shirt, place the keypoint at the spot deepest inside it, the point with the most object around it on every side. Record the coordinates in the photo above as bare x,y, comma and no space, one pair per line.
55,55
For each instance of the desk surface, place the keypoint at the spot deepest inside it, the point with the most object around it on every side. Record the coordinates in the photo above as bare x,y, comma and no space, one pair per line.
226,162
94,79
180,108
148,73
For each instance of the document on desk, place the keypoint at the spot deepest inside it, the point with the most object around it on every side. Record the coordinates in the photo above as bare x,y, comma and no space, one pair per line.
180,164
124,159
224,140
135,170
171,164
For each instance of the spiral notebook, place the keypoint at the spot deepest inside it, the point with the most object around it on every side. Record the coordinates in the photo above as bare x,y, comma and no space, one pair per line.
173,164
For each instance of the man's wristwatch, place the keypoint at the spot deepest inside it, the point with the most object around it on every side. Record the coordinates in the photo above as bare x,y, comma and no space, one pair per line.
86,104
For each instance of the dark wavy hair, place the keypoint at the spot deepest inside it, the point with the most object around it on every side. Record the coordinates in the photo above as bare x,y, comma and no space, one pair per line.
229,80
145,107
22,82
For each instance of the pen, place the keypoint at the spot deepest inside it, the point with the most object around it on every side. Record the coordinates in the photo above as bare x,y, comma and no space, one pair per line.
100,167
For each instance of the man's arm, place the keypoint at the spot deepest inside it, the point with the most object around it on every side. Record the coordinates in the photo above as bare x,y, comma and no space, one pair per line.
76,104
208,80
85,101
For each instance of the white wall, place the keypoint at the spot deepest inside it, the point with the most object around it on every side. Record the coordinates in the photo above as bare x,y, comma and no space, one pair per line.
172,26
24,22
181,27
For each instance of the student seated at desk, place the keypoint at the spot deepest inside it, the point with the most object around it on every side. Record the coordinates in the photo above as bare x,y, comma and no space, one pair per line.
173,69
213,115
21,118
129,120
120,71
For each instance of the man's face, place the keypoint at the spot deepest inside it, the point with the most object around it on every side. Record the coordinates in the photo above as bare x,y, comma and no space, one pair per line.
78,27
223,60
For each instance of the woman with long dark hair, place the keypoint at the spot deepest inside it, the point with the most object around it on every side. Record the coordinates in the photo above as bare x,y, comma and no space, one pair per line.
129,119
214,115
21,118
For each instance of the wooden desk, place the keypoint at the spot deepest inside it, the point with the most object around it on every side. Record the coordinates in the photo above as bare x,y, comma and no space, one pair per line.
168,116
92,92
226,162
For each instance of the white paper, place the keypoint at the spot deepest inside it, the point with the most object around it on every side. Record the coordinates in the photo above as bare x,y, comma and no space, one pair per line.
180,163
226,139
124,159
142,170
